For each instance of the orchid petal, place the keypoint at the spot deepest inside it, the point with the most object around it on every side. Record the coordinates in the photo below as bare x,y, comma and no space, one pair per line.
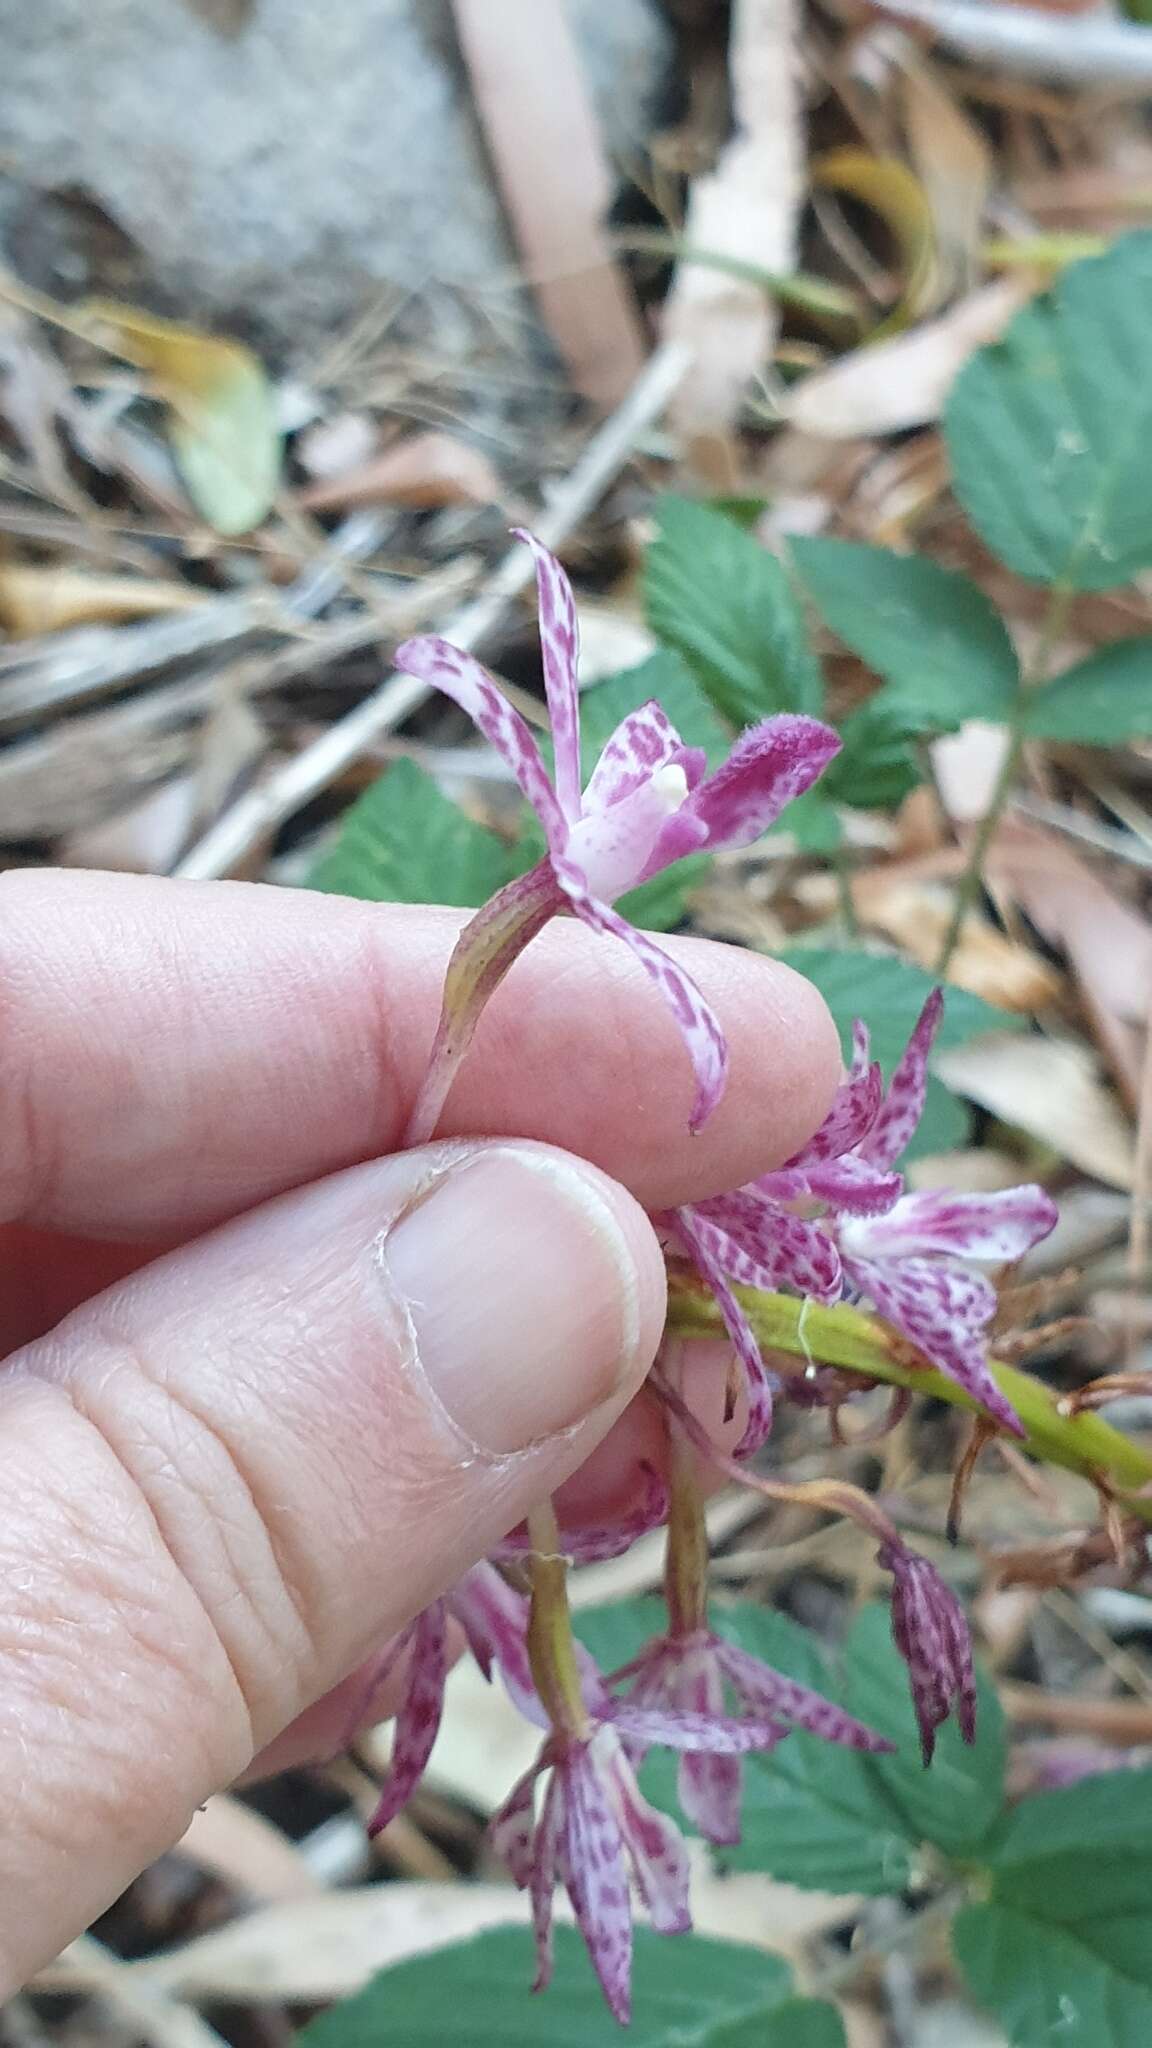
710,1789
944,1312
699,1025
854,1110
560,648
769,1692
498,1614
419,1717
778,1249
903,1105
701,1244
591,1862
615,849
656,1848
513,1826
679,1728
1002,1225
643,742
770,765
849,1185
545,1867
462,678
931,1633
487,947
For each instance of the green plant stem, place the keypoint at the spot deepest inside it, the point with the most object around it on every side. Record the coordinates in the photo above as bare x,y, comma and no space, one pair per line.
857,1342
1059,599
848,915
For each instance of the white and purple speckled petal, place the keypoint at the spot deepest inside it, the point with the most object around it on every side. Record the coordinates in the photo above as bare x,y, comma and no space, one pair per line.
1002,1225
698,1024
497,1614
851,1186
512,1828
680,1728
615,849
560,649
931,1633
854,1110
656,1849
768,767
462,678
903,1104
590,1860
944,1311
766,1246
643,742
546,1867
709,1787
418,1720
769,1693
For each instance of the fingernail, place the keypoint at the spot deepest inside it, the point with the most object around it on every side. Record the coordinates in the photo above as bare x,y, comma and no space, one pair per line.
526,1277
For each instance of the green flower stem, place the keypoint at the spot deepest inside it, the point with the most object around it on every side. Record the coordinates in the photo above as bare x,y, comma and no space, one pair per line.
1055,619
855,1341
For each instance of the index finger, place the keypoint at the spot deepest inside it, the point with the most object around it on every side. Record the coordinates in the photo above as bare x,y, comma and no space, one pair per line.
173,1052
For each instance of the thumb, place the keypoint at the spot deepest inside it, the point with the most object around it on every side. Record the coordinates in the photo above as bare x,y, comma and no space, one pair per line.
230,1477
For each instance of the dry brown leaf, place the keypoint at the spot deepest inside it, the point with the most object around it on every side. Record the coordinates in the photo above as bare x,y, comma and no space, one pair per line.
916,916
752,1907
35,599
1107,942
966,766
903,383
246,1850
423,470
1051,1088
954,165
747,208
530,93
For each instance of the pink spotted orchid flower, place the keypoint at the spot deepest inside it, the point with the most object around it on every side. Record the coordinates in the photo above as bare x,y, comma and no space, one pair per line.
493,1618
833,1222
931,1633
592,1829
648,802
693,1673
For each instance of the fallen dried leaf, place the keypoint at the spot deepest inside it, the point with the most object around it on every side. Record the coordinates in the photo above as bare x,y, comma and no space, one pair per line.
223,418
896,194
903,382
36,599
424,470
1051,1088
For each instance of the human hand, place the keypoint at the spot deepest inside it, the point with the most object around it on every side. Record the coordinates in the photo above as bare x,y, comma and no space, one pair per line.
268,1390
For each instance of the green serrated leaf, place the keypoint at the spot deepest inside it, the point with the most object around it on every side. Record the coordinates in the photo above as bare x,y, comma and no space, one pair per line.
684,1994
1046,1986
813,1814
403,841
798,2023
941,646
1102,702
1048,428
958,1799
724,603
1081,1852
876,768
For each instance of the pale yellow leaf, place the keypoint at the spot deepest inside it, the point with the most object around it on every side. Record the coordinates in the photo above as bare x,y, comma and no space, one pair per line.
222,412
896,194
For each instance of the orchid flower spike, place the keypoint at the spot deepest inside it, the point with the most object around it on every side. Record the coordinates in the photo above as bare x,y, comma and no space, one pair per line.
693,1673
907,1255
647,802
594,1827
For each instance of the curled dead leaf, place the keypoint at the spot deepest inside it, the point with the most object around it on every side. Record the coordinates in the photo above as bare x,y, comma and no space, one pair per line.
423,470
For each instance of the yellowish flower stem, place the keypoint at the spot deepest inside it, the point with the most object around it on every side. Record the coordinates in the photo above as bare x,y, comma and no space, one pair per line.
856,1341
